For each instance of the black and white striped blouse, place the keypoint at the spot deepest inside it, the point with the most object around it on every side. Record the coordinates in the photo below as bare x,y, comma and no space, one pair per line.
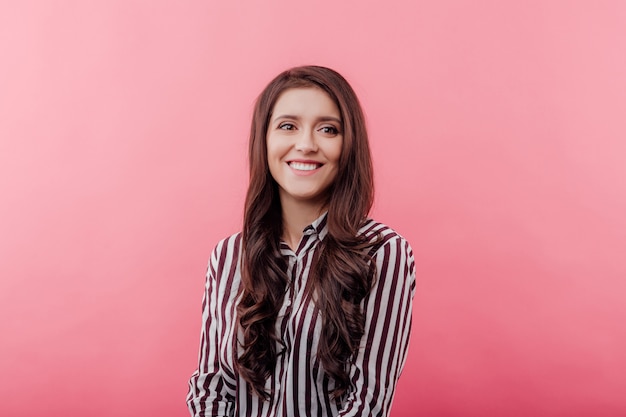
299,386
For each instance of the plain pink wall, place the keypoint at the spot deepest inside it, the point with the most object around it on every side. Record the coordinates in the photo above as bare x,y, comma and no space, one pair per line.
499,136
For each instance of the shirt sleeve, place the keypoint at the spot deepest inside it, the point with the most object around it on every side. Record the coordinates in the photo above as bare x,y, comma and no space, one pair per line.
209,393
382,354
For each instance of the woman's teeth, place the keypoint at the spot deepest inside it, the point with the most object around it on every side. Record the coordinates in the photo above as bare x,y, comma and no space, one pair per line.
302,166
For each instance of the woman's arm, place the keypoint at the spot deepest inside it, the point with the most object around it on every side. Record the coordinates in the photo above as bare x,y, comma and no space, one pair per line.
209,393
380,359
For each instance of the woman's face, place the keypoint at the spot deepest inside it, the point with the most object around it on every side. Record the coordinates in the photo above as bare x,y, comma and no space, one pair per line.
304,139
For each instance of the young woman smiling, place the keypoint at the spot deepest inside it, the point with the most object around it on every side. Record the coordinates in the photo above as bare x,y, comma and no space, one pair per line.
307,311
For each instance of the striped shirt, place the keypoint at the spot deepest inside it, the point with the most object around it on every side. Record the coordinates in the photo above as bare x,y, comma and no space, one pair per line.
299,385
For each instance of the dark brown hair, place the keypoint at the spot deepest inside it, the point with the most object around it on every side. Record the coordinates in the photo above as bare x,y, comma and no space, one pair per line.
341,275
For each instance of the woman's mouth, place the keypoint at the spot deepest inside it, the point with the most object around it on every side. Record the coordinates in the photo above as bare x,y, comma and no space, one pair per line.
304,166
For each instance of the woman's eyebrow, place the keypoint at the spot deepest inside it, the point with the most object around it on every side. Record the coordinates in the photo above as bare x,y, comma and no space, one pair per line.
329,119
287,116
320,119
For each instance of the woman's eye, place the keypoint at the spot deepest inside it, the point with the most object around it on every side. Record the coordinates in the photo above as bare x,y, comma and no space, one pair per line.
332,130
286,126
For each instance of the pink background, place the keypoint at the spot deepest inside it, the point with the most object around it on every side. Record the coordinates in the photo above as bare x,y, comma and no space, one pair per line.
499,136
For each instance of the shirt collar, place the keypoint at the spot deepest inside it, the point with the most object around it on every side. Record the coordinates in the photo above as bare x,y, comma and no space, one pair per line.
315,231
318,226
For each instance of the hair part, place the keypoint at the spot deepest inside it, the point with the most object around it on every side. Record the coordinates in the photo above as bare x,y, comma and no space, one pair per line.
341,275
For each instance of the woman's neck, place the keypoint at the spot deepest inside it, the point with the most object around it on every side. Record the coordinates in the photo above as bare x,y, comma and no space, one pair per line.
296,216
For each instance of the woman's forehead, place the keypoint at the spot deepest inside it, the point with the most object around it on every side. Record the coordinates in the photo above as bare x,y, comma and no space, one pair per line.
305,101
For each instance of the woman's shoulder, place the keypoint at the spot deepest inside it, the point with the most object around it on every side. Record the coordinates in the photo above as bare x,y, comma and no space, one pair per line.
227,250
391,251
379,233
229,241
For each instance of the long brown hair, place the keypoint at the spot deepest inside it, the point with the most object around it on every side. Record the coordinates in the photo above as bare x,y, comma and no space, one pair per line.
342,274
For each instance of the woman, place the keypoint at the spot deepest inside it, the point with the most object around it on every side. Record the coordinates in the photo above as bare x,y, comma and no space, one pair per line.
307,311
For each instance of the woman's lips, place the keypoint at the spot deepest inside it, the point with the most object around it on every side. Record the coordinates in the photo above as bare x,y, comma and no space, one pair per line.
304,167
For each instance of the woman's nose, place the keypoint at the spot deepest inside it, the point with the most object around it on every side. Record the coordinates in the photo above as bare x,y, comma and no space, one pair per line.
306,141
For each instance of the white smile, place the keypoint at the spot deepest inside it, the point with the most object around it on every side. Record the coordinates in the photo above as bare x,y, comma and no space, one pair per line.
303,166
